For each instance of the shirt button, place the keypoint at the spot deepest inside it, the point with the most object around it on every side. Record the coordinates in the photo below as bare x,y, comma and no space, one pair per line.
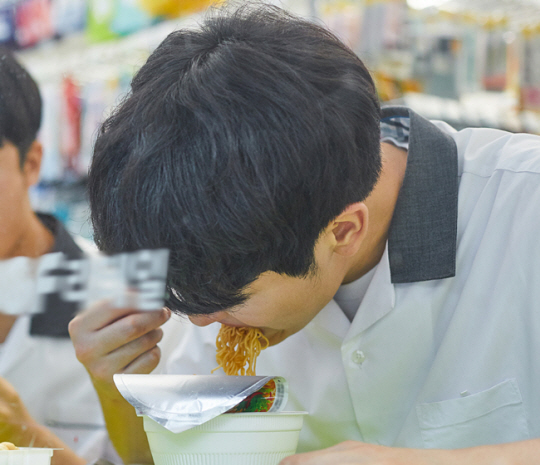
358,357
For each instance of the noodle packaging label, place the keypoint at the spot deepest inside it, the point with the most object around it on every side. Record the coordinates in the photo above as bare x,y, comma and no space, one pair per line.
269,398
180,402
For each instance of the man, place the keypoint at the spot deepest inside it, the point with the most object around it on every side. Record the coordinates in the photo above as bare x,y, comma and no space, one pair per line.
46,399
392,263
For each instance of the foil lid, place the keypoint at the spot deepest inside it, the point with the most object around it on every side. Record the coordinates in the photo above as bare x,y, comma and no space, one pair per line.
180,402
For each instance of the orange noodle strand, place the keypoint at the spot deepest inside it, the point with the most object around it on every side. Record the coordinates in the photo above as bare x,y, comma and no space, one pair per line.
238,347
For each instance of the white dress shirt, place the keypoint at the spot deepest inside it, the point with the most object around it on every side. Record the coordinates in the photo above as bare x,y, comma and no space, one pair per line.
55,388
444,350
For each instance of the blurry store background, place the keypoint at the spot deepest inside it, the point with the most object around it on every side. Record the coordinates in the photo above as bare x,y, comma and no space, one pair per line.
468,62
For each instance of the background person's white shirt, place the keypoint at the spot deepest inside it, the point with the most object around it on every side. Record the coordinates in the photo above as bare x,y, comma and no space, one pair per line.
53,385
55,388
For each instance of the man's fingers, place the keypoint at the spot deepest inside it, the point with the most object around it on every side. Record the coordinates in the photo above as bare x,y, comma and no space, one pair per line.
118,361
145,362
130,328
102,313
124,356
92,344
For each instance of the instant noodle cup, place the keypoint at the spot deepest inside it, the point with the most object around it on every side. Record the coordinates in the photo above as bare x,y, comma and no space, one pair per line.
228,439
26,456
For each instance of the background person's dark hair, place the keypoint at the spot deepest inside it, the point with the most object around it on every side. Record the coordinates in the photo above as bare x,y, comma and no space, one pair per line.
238,144
20,104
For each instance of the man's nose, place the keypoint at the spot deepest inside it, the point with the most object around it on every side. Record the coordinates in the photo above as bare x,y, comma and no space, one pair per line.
205,320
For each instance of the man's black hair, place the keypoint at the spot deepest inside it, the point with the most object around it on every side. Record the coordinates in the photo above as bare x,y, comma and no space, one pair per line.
20,105
238,143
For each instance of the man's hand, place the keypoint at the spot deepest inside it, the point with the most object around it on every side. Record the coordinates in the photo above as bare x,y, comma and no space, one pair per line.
110,340
18,427
358,453
16,424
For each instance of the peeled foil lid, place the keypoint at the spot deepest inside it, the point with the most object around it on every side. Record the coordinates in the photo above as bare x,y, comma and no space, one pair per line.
180,402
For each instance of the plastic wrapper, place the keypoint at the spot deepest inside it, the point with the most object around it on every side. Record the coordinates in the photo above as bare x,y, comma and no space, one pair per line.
180,402
18,290
132,279
33,22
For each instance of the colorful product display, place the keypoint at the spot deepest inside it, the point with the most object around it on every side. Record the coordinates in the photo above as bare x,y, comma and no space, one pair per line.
460,51
470,57
27,23
173,8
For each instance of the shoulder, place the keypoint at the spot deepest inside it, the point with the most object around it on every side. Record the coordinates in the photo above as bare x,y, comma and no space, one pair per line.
483,152
499,194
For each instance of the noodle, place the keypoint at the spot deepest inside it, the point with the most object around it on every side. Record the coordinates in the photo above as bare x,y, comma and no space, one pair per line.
8,446
237,347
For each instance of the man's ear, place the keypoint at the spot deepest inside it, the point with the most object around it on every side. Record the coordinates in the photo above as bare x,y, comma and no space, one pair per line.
32,163
349,229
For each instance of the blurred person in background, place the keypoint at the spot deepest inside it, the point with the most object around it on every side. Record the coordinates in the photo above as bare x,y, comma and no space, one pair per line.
46,396
392,262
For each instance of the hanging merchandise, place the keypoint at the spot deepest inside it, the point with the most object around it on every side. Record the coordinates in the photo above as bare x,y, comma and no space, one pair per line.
70,124
383,30
7,23
33,22
94,107
101,14
470,54
442,79
68,16
344,18
494,73
51,166
443,45
530,68
130,17
371,40
98,98
395,24
513,53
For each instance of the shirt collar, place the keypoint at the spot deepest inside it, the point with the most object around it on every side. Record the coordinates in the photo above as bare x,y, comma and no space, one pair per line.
63,242
423,232
58,313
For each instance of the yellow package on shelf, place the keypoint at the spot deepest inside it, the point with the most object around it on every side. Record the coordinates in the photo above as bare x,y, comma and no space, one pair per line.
173,8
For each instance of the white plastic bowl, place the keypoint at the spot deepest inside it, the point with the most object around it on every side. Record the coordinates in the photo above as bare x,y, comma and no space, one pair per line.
26,456
229,439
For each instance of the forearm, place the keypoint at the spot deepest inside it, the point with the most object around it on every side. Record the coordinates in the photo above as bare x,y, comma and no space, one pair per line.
354,452
40,436
111,340
513,453
125,429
